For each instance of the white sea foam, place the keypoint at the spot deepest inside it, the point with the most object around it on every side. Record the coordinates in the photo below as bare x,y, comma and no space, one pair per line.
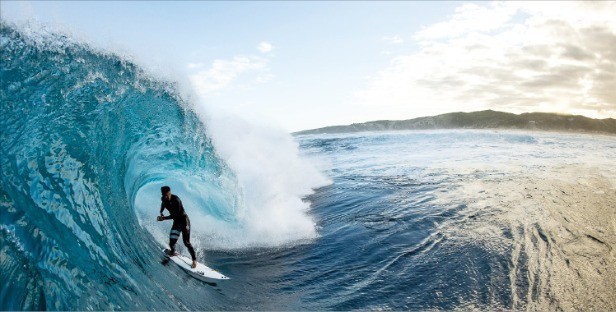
272,179
258,203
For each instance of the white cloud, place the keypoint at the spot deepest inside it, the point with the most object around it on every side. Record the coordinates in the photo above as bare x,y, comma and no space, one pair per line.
396,39
194,65
528,56
265,47
470,17
225,73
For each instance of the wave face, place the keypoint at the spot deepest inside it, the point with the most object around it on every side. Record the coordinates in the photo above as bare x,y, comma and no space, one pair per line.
88,138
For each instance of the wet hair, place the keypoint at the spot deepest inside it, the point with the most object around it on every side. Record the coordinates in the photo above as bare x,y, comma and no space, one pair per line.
165,189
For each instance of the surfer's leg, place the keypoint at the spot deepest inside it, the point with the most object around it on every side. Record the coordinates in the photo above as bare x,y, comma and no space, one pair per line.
186,238
190,248
173,238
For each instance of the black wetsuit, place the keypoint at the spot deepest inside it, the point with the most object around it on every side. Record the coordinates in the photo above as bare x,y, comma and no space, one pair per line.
181,223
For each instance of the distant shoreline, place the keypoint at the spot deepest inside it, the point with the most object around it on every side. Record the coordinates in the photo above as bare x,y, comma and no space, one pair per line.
486,120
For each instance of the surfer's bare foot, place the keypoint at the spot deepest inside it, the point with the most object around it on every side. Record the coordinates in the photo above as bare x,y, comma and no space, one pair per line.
194,265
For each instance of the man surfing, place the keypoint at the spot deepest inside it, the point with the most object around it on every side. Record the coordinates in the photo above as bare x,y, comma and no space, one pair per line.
181,223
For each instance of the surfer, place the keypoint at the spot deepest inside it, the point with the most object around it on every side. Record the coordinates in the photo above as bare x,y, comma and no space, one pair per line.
181,223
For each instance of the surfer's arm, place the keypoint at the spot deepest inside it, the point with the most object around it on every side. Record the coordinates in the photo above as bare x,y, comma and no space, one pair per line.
162,218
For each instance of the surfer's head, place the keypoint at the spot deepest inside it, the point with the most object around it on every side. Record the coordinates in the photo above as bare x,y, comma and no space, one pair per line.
165,191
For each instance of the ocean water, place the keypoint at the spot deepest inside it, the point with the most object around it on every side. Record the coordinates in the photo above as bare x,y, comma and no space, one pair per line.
424,220
465,219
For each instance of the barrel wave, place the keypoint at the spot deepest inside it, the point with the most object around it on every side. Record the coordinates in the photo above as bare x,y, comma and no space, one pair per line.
88,138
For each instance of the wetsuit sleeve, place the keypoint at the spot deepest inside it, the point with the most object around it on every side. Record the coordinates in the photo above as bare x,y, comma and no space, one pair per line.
162,207
168,217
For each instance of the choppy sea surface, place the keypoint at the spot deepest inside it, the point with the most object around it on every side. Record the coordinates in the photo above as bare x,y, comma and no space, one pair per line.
423,220
459,219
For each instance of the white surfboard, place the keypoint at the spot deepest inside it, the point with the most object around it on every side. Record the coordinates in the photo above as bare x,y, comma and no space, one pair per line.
201,272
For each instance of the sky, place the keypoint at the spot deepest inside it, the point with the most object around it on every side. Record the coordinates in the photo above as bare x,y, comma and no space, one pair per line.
303,65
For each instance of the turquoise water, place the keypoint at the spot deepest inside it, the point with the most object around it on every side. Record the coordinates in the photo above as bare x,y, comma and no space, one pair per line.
401,220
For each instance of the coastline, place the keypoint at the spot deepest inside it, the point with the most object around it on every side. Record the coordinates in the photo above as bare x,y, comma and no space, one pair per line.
481,120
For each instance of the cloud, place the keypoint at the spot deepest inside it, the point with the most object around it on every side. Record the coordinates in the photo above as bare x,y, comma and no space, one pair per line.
512,56
225,73
194,65
265,47
396,39
468,18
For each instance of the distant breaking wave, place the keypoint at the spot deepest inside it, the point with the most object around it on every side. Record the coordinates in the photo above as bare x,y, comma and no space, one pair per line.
88,138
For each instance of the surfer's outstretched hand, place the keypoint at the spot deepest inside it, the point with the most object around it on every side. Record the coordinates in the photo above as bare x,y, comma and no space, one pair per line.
160,218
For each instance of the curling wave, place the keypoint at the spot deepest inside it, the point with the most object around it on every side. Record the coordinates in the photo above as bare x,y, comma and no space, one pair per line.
87,140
